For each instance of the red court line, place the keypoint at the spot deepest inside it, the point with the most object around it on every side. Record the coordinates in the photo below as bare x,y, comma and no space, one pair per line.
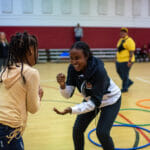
142,133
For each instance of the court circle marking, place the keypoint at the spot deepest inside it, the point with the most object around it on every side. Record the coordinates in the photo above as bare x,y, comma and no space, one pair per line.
138,103
121,125
134,123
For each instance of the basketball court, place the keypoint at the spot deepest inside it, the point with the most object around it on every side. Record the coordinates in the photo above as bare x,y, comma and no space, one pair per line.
53,22
48,131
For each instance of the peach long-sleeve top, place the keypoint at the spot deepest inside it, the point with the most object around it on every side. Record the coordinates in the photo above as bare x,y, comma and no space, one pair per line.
18,98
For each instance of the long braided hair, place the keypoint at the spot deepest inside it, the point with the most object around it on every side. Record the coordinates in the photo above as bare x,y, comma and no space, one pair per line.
19,47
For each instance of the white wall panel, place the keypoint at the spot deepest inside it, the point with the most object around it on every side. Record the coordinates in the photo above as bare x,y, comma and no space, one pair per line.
144,8
136,7
27,6
119,7
128,8
47,6
84,7
149,7
17,7
6,6
99,13
111,8
103,7
66,6
37,8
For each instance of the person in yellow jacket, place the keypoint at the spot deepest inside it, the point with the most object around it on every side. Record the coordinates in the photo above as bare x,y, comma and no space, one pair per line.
125,58
20,90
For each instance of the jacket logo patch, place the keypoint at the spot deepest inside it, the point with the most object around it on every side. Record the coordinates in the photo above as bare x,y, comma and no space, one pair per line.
88,85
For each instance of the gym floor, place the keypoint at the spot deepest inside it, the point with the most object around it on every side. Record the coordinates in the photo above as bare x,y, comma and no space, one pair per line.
49,131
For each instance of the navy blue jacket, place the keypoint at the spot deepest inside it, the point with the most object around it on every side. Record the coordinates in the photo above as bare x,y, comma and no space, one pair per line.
3,50
93,82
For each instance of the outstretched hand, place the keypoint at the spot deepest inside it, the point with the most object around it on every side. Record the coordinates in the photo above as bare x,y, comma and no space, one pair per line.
61,80
66,111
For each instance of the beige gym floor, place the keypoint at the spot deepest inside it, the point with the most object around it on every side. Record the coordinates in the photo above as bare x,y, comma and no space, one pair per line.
49,131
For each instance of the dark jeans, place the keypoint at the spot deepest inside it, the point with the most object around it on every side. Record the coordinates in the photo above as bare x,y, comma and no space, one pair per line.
77,38
107,117
1,63
123,71
15,144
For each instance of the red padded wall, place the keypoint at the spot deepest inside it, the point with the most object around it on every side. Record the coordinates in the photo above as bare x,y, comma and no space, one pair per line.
63,37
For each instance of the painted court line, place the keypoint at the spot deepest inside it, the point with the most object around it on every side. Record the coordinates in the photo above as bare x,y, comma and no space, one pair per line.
143,80
121,115
142,133
48,80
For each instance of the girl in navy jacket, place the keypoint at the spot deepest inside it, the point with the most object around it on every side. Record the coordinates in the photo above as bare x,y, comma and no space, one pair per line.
100,93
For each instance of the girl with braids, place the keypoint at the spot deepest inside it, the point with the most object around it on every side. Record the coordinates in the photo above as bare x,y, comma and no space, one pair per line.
100,93
20,90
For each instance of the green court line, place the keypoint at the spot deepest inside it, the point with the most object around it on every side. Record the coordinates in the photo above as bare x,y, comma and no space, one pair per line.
137,137
138,109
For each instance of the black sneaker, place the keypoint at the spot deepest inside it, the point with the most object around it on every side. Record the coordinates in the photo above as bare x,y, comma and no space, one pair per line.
130,84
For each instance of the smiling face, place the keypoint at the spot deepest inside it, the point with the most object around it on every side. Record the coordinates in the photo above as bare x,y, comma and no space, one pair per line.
123,34
78,59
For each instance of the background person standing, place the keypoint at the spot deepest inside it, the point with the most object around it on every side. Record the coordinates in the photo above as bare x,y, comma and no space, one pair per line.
78,32
125,58
3,49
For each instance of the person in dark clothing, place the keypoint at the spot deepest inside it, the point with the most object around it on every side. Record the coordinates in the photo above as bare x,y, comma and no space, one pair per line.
148,51
3,49
100,93
144,52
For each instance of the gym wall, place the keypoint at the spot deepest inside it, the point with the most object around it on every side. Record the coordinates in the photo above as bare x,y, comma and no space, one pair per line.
52,21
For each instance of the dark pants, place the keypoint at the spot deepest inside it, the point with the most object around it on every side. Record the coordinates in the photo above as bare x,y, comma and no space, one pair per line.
77,38
15,144
123,71
1,63
107,117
